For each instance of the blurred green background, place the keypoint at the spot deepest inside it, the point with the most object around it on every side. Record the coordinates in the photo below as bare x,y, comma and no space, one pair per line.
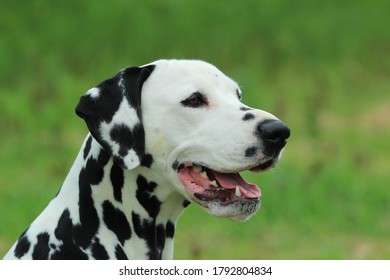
321,66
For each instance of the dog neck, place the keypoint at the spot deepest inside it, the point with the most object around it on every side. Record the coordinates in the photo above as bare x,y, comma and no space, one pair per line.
130,212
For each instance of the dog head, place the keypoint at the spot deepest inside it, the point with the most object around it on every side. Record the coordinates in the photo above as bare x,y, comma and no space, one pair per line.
193,123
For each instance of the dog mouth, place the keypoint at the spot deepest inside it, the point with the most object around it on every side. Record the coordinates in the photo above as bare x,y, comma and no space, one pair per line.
207,186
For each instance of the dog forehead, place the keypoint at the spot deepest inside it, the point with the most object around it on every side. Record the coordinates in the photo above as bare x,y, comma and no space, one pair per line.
190,68
187,76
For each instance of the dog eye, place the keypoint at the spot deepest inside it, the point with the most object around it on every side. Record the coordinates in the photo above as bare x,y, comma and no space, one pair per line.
195,100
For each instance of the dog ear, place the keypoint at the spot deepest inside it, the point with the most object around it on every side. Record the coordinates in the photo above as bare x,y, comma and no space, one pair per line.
112,112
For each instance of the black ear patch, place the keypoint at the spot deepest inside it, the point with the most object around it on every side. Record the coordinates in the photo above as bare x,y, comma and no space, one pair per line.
112,112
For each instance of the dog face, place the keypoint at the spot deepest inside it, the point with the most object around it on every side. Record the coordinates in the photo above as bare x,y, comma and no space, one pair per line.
202,136
188,116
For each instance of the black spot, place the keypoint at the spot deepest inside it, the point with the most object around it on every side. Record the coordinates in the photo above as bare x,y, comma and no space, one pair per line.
103,158
89,220
22,246
128,138
41,249
120,161
120,254
64,227
239,94
154,236
147,160
116,221
145,196
175,165
91,174
245,108
117,181
143,228
139,228
248,116
160,240
87,147
65,232
250,152
186,203
98,250
69,252
170,230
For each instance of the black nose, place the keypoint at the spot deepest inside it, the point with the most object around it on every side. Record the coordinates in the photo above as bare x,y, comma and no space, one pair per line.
274,133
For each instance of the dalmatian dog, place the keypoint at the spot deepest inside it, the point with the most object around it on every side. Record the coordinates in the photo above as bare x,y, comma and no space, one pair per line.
161,136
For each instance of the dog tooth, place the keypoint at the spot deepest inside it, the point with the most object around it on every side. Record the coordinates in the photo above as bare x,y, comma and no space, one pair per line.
213,183
238,193
204,174
197,168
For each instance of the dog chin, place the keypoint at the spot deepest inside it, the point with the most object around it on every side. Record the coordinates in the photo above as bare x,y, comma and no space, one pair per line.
236,211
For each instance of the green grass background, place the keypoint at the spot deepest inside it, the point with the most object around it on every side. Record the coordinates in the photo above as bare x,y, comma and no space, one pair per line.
321,66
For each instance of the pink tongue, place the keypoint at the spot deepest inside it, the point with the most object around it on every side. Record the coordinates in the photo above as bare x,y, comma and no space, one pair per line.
233,180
